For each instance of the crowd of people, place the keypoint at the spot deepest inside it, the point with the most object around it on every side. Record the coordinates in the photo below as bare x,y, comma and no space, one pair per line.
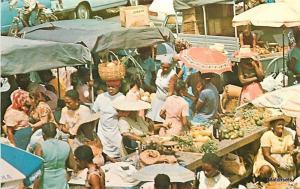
56,119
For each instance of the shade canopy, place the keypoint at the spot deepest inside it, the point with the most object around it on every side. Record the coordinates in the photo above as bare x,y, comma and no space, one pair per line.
271,15
286,99
23,55
26,163
205,60
176,173
8,173
187,4
97,35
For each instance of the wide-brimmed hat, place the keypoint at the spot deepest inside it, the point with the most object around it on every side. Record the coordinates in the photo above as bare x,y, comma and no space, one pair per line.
277,115
86,118
245,52
130,104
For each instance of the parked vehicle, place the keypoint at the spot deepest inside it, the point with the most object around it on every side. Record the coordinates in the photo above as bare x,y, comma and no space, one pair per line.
83,9
39,15
8,13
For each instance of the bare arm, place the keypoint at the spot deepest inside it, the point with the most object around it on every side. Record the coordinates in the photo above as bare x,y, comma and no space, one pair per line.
162,114
241,39
243,80
254,41
71,163
172,84
94,181
39,124
258,69
267,155
132,136
199,105
10,135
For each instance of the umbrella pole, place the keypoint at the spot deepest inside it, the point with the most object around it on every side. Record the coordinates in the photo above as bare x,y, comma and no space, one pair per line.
58,83
283,59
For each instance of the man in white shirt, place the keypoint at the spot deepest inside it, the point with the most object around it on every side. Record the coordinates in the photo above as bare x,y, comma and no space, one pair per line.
210,177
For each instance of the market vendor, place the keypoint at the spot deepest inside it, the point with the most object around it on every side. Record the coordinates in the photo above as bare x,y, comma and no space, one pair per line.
274,157
250,73
207,105
248,38
165,87
132,126
210,177
16,119
294,58
176,117
108,130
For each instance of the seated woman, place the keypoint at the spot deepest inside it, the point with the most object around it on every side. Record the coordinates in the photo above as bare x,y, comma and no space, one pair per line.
250,73
16,119
274,157
175,111
132,127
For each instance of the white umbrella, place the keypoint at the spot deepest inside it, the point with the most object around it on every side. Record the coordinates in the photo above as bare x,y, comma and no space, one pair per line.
270,14
286,99
9,175
163,6
176,173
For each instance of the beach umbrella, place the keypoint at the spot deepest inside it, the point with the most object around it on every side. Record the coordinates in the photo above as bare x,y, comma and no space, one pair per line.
10,176
271,15
176,173
205,60
282,14
26,163
286,99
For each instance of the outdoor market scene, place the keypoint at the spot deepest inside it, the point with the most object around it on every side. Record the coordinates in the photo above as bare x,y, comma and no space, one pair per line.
150,94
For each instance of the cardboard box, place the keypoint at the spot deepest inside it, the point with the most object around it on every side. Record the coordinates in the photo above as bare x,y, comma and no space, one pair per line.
134,16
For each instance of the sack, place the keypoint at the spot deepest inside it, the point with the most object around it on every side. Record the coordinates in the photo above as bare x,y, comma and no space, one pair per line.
233,164
268,84
110,71
134,16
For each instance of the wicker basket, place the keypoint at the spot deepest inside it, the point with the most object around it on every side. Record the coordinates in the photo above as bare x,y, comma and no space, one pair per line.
114,70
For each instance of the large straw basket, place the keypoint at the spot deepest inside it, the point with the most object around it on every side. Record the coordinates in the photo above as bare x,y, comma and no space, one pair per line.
114,70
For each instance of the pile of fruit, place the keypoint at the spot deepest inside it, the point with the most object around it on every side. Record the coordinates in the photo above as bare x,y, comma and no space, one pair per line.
244,121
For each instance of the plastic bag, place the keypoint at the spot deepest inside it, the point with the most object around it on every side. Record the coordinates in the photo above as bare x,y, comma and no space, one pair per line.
281,80
268,84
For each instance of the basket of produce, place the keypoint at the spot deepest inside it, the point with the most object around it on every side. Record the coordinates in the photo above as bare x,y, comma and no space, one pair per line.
114,70
233,164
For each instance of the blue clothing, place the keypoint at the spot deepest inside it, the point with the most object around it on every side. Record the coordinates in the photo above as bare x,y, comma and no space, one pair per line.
210,98
22,137
55,154
187,71
148,66
295,53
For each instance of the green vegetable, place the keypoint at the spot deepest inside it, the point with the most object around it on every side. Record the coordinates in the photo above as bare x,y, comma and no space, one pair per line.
209,147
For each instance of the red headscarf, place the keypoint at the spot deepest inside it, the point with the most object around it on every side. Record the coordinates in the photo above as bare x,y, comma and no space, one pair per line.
19,98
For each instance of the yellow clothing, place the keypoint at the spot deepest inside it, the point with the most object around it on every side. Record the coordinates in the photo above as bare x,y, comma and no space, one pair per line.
54,83
279,151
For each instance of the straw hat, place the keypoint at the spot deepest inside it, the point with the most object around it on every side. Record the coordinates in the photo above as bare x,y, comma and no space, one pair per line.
277,115
130,104
149,157
86,118
245,52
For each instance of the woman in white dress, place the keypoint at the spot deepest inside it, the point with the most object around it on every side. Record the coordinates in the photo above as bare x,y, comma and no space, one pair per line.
165,81
108,131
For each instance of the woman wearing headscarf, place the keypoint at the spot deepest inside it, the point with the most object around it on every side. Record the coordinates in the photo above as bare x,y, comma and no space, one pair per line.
165,87
16,119
108,131
250,73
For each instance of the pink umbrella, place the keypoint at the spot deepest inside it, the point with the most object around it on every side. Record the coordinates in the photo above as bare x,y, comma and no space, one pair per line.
205,60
